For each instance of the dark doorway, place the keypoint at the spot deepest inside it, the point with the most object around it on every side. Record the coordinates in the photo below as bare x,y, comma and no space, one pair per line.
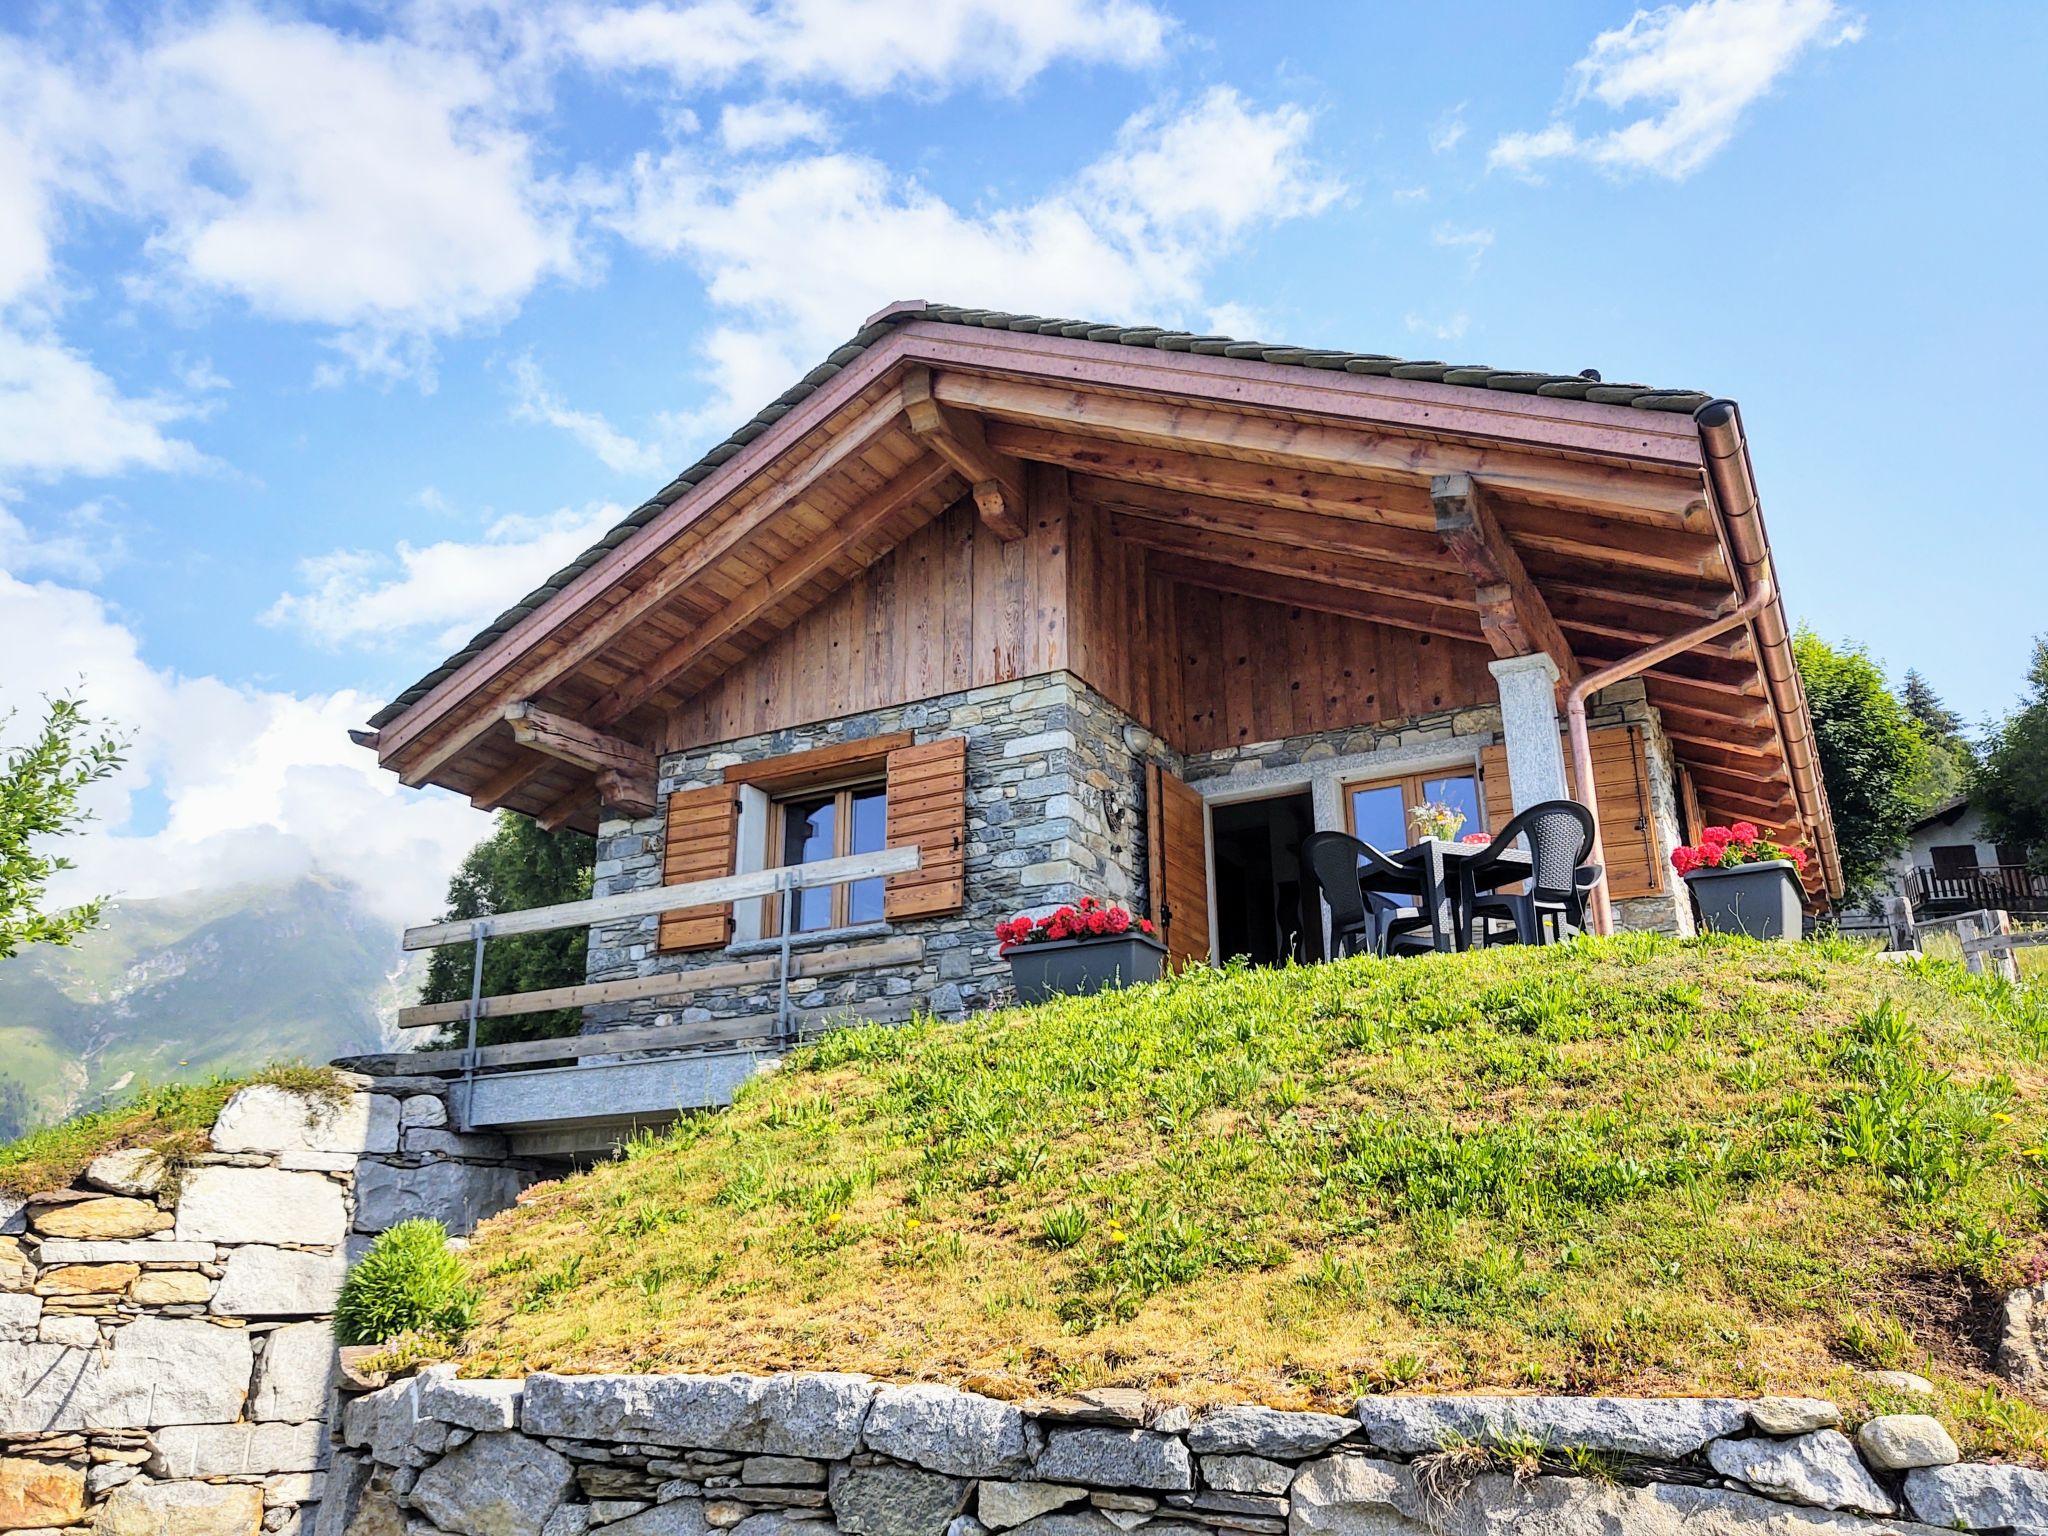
1266,908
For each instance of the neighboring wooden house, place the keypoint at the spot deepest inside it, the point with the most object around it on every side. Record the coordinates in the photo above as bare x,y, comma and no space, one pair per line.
1951,864
1093,609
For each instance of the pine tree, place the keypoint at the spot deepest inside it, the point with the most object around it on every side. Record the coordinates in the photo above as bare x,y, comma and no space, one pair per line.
1935,718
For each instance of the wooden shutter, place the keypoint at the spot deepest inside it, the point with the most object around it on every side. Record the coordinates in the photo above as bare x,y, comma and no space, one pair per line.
1628,832
1177,849
702,831
927,790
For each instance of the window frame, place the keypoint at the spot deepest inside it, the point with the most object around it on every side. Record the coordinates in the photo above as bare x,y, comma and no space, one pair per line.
1410,785
842,795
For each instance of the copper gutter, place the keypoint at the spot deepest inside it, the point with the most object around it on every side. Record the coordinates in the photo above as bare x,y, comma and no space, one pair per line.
1731,490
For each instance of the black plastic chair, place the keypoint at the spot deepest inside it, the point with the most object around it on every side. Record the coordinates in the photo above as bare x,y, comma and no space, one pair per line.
1552,907
1365,891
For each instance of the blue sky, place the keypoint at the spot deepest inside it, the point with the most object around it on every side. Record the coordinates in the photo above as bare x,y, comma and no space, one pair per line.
325,332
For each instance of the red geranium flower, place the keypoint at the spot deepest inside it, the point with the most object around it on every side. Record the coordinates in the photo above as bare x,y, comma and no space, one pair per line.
1744,832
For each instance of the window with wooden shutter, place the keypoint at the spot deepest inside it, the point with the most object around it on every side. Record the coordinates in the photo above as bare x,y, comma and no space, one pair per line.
702,828
1177,859
1630,848
927,793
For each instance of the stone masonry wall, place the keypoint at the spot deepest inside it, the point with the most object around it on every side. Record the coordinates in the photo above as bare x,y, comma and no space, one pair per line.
1054,812
166,1348
816,1454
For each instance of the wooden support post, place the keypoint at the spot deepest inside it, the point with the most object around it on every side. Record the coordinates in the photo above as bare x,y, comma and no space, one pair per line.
958,438
2007,959
1513,613
1899,913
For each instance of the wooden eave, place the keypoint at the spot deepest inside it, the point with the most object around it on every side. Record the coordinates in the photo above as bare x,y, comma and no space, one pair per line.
1233,473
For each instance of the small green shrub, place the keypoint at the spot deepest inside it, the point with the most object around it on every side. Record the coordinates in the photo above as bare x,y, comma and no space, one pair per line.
409,1282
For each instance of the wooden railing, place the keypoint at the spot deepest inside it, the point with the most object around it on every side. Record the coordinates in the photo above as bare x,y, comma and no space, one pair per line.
1990,942
2012,887
781,967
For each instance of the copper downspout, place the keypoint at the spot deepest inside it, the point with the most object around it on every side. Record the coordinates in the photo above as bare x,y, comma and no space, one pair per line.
1600,909
1731,490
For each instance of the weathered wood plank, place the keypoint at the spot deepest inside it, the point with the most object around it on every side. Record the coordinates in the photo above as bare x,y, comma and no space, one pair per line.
668,898
858,957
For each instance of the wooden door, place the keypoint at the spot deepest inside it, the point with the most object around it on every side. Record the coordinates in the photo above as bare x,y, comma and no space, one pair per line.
1178,847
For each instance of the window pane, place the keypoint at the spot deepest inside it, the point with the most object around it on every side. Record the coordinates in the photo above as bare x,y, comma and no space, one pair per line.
1378,816
870,832
807,835
1460,791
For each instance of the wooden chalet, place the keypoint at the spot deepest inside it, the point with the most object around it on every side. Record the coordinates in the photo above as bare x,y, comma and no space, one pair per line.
1079,608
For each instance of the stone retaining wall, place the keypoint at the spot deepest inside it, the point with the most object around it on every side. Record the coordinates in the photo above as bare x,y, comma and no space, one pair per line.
165,1341
812,1454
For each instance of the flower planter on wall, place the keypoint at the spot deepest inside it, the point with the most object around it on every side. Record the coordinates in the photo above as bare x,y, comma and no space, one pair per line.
1077,967
1759,901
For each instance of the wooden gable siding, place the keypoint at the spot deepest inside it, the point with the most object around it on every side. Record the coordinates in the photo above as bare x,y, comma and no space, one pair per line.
951,607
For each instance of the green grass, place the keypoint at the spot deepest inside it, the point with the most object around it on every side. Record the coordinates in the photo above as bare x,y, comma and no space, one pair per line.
173,1119
1632,1165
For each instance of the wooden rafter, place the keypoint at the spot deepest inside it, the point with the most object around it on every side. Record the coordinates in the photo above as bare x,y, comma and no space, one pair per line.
567,807
779,584
1545,479
625,769
957,437
1513,613
508,781
657,589
1404,607
1323,596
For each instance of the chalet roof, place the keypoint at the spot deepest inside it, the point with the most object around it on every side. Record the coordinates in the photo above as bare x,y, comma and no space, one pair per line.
1468,375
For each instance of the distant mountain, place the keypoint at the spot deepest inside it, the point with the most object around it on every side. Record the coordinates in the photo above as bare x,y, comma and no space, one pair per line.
188,986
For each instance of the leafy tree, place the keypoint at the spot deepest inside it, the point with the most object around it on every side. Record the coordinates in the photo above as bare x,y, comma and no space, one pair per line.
39,788
2012,784
518,865
1871,751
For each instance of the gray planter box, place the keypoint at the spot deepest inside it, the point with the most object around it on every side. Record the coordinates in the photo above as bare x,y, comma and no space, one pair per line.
1759,901
1077,967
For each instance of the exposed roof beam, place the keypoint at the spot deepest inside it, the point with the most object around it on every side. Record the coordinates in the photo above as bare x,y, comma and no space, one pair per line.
507,782
657,589
1428,610
957,437
626,769
1365,501
1405,548
747,607
1512,612
1547,479
568,807
1323,596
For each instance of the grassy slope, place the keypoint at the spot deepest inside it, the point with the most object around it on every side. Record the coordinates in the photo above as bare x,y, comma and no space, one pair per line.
173,1119
1633,1165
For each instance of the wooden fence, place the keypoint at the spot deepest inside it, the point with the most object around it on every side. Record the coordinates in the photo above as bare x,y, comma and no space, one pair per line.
1990,942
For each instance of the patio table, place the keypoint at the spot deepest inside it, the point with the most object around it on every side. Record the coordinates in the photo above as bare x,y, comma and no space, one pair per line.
1442,866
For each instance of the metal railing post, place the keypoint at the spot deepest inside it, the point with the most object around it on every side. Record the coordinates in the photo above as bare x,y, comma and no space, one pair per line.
782,1022
476,993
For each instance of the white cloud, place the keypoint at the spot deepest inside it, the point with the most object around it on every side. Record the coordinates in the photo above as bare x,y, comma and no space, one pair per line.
868,46
1475,243
1448,131
81,544
443,592
1450,328
750,127
1134,235
1700,67
537,401
61,415
223,783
